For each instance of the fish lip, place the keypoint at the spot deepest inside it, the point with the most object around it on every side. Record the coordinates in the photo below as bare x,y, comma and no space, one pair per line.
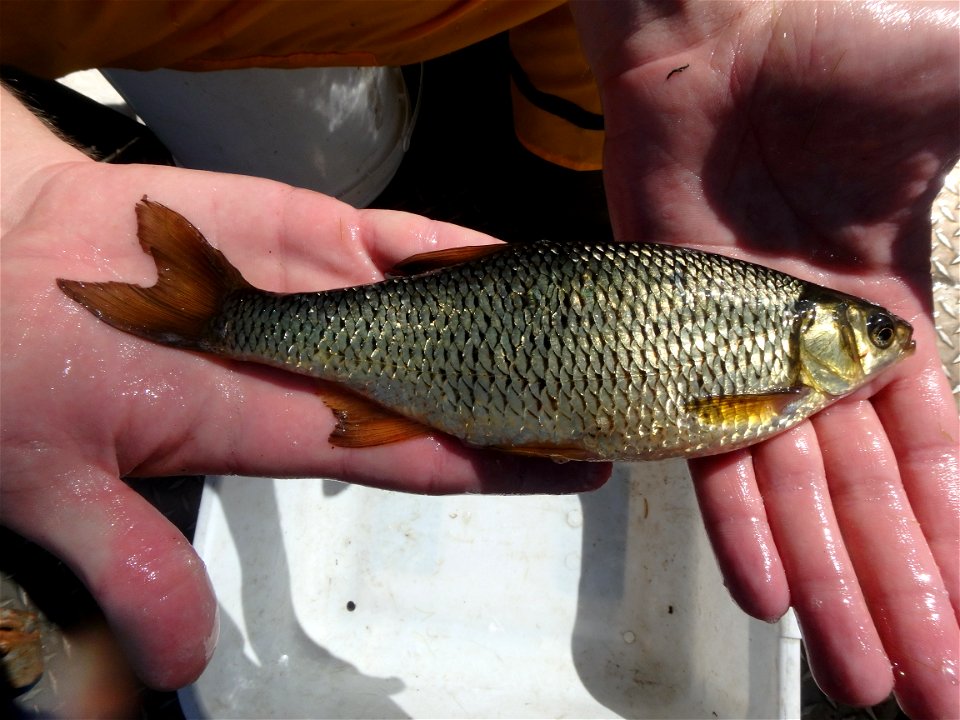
905,333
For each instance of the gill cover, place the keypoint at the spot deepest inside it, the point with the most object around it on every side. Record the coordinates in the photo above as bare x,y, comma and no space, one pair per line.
843,341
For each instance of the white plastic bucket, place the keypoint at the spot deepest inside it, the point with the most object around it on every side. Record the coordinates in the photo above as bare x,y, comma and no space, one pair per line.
339,131
344,601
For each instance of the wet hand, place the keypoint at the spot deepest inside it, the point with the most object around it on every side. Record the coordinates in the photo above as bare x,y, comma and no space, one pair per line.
84,404
812,137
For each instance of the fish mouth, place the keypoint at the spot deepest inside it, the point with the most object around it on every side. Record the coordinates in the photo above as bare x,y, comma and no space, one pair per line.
905,337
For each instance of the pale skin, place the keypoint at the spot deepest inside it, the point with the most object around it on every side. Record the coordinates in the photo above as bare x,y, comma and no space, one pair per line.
851,518
83,406
812,137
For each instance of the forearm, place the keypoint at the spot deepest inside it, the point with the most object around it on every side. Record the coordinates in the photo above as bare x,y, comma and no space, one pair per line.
30,150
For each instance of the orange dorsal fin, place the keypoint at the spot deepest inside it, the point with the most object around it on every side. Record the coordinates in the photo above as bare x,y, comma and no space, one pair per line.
437,259
193,279
724,410
364,423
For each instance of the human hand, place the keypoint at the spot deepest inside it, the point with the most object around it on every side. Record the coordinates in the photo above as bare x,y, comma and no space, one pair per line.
84,404
812,137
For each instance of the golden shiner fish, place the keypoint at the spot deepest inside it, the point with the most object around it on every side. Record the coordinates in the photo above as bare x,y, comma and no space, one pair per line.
593,351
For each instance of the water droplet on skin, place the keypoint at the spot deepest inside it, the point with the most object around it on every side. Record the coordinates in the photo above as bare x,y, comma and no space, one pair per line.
363,265
210,642
949,669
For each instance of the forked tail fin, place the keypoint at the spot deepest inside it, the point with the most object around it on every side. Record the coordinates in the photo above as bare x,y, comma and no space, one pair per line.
194,278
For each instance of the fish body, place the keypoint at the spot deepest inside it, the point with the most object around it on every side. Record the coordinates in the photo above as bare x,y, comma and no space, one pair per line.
601,351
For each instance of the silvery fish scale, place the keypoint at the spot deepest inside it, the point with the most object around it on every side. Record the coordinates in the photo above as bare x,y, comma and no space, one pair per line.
612,348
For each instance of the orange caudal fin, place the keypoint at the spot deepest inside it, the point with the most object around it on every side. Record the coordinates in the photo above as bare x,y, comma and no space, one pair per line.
193,279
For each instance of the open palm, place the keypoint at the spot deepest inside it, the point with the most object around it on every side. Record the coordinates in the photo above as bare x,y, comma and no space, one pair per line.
812,137
84,405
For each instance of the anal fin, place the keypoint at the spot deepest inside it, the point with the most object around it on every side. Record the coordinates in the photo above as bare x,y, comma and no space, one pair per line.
364,423
558,453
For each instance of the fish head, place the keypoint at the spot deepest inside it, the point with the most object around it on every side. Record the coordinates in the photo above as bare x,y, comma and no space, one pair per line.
845,341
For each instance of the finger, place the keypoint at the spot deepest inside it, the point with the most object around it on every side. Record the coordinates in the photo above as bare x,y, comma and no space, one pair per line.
257,421
321,242
927,458
147,579
289,240
736,523
843,647
896,570
436,464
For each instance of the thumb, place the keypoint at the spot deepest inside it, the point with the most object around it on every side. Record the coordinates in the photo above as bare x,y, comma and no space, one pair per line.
148,580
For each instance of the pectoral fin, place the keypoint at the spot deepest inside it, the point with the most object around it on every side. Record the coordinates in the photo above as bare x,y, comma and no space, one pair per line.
437,259
726,410
363,423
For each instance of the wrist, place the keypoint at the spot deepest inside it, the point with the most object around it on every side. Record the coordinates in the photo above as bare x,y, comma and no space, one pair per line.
31,152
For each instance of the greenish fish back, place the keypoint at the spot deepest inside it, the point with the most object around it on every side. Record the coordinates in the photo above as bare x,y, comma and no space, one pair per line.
577,351
608,347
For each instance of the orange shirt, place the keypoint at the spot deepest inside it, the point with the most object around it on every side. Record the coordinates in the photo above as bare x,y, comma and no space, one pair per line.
556,104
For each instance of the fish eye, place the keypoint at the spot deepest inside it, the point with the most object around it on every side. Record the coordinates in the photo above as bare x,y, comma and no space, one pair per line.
881,330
